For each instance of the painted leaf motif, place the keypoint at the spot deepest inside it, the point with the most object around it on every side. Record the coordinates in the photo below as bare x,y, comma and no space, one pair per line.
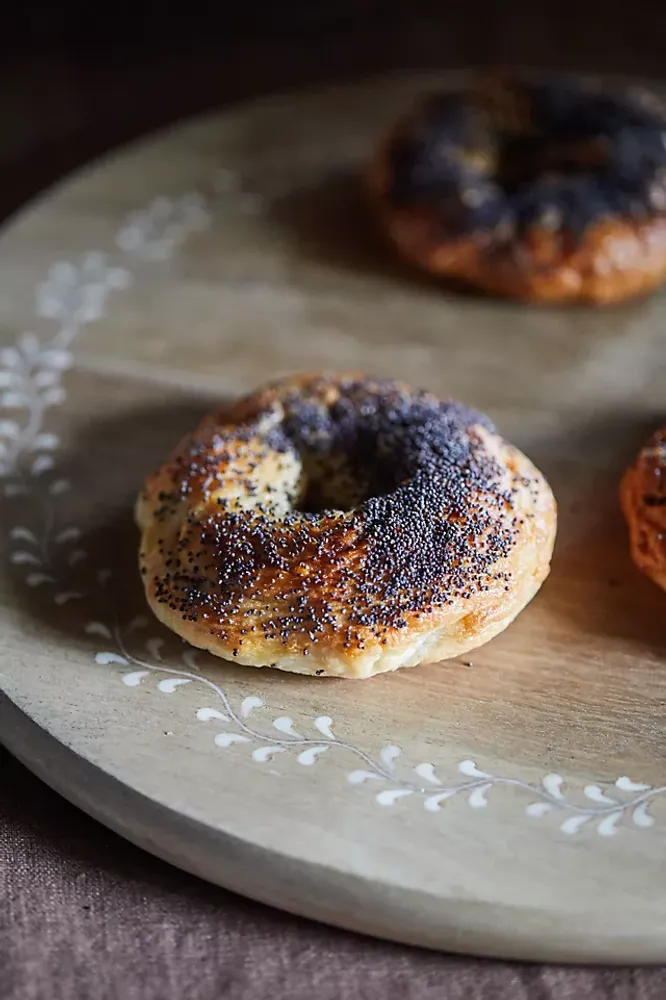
41,464
573,824
67,595
641,817
37,579
169,684
538,809
206,714
98,628
14,399
433,802
135,678
19,532
553,785
46,442
59,486
22,558
118,277
469,768
597,794
129,238
359,776
70,534
93,262
391,795
249,704
389,755
154,646
285,725
108,657
29,344
45,379
54,396
10,357
427,772
161,207
60,360
627,785
309,756
608,825
226,739
477,797
63,272
323,723
263,754
189,658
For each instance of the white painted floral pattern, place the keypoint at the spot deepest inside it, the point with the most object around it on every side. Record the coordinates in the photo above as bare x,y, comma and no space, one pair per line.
75,294
153,233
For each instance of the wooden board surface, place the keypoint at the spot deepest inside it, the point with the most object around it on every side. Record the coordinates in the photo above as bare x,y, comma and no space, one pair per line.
511,804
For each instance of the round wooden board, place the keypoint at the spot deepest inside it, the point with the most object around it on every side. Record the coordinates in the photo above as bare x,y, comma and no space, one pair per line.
510,805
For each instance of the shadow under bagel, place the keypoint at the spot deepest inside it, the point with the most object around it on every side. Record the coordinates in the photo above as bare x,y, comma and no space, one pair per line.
330,222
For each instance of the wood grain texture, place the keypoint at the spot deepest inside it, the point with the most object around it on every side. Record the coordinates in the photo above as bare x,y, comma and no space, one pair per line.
283,271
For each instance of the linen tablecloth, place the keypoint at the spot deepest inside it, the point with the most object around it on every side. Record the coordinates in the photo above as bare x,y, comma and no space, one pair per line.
86,916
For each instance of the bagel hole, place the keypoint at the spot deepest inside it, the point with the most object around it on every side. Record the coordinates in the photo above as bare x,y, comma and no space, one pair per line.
330,484
526,159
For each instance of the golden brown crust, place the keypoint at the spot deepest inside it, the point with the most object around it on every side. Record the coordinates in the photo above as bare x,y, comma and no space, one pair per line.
643,501
616,257
436,565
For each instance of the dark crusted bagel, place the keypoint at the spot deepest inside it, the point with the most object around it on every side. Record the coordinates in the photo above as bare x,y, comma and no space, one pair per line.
548,189
643,500
343,526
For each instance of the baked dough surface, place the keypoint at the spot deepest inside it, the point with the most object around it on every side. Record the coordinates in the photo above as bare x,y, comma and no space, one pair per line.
336,525
643,500
550,190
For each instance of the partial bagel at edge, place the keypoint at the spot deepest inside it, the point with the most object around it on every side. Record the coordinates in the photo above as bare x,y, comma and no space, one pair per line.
545,189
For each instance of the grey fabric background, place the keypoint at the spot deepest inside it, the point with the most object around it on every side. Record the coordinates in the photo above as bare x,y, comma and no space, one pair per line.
86,916
83,915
